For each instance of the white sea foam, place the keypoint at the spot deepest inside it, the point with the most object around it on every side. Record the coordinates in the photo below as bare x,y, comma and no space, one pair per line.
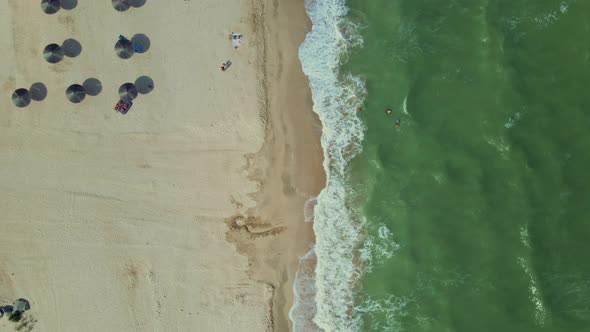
392,307
405,107
535,296
499,144
377,250
336,98
308,208
513,119
545,19
304,307
563,7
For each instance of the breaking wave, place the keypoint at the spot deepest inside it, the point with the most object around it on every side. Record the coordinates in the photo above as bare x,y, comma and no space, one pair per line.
324,297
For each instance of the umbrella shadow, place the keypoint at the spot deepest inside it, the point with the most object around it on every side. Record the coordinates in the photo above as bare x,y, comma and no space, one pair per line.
92,86
68,4
71,47
137,3
141,43
38,91
144,84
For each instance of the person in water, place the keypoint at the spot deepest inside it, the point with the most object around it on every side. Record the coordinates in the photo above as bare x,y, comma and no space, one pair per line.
388,111
397,123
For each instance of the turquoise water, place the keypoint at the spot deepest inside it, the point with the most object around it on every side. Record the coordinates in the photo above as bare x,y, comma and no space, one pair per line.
475,210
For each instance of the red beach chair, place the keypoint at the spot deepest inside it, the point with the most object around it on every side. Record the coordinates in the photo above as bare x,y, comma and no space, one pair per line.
123,106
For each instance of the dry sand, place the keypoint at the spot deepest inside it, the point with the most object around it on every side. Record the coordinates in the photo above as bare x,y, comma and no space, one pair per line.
120,223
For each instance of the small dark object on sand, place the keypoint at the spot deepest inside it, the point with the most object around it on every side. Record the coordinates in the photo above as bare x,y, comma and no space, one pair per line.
225,65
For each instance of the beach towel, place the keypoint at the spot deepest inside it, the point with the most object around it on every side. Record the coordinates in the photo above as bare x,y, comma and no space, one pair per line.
236,39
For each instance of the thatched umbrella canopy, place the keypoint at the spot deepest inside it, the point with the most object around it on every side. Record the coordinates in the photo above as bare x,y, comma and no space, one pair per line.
128,91
21,98
75,93
144,84
124,48
53,53
121,5
50,6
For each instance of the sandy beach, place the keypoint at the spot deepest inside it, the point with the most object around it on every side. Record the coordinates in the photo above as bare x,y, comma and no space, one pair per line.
186,214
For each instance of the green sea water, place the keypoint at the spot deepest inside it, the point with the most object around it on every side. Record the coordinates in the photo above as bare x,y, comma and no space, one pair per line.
476,208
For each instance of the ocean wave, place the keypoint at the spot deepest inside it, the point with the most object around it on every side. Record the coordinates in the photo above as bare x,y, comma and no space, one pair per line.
535,296
377,249
304,290
391,308
513,120
336,98
308,208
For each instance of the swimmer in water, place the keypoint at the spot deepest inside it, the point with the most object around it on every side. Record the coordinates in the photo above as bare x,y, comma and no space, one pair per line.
397,123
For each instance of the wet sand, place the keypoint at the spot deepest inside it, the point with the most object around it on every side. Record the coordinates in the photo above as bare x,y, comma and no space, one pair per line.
289,166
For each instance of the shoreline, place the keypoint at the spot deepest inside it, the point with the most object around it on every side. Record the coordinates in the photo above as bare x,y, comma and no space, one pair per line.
288,168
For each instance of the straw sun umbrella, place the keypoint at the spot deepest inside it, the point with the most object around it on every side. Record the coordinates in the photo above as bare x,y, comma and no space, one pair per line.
53,53
128,91
50,6
124,48
75,93
21,98
121,5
